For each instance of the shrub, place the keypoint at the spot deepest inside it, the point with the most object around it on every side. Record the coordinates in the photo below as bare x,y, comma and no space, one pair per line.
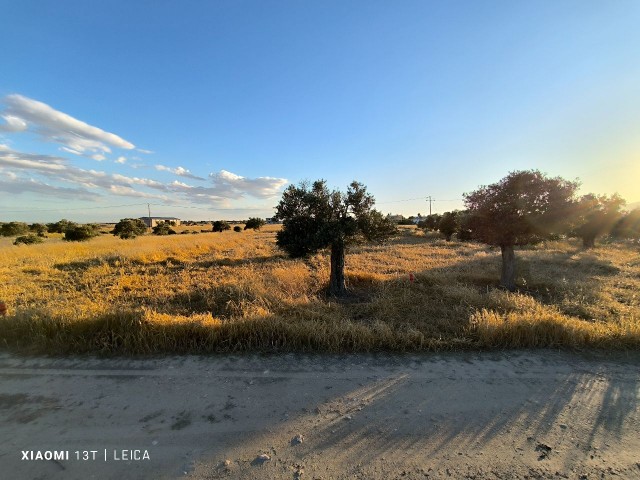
129,228
237,228
254,223
59,226
38,228
13,229
80,233
221,226
448,224
28,240
163,228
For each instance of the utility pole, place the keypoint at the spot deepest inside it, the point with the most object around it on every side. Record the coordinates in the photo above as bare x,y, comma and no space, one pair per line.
149,209
429,197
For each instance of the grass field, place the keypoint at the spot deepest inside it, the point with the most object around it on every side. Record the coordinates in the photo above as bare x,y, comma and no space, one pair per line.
233,291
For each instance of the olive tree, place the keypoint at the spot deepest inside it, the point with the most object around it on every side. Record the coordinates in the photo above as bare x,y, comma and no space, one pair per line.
596,215
520,209
314,218
628,226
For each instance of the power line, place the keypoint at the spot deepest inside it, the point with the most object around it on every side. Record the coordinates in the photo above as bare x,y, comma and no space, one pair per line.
421,198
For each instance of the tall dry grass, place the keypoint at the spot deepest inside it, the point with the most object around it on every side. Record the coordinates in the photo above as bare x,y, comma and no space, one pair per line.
236,292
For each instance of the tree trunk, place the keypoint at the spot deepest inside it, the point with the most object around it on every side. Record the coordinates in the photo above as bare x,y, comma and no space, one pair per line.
337,286
508,277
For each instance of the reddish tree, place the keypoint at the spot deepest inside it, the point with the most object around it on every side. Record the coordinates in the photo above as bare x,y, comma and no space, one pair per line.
520,209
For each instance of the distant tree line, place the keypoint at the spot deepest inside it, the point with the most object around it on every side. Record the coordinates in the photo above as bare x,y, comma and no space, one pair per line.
528,207
71,231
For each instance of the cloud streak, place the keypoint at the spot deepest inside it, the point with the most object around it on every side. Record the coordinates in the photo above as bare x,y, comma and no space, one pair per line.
77,137
21,168
179,171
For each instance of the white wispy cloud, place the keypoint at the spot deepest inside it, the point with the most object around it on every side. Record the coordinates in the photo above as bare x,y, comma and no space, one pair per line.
121,160
16,185
131,192
180,171
235,186
75,136
12,124
23,169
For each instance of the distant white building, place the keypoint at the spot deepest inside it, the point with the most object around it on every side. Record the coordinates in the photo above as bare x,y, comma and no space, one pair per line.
153,221
395,218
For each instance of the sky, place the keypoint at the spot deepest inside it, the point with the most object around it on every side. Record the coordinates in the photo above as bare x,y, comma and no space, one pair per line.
208,110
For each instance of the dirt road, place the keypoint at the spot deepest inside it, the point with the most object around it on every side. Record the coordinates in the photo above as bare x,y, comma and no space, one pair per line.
477,415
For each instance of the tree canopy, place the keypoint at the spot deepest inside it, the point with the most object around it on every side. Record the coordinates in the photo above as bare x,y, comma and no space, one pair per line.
315,218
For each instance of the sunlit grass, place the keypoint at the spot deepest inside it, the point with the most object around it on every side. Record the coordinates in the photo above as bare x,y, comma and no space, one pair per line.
237,292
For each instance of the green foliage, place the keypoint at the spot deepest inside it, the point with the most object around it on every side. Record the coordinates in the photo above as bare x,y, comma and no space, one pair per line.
430,222
163,228
13,229
315,218
59,226
221,226
38,228
28,240
464,231
523,207
81,233
448,224
128,228
254,223
237,228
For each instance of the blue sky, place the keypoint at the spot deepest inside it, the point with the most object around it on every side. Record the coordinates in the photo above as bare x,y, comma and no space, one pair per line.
208,110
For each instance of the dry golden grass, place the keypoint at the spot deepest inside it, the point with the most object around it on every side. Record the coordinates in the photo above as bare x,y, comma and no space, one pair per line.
236,292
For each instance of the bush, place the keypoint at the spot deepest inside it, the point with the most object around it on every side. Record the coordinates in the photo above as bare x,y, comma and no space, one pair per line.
59,226
38,228
254,223
129,228
13,229
163,228
221,226
80,233
28,240
237,228
448,224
